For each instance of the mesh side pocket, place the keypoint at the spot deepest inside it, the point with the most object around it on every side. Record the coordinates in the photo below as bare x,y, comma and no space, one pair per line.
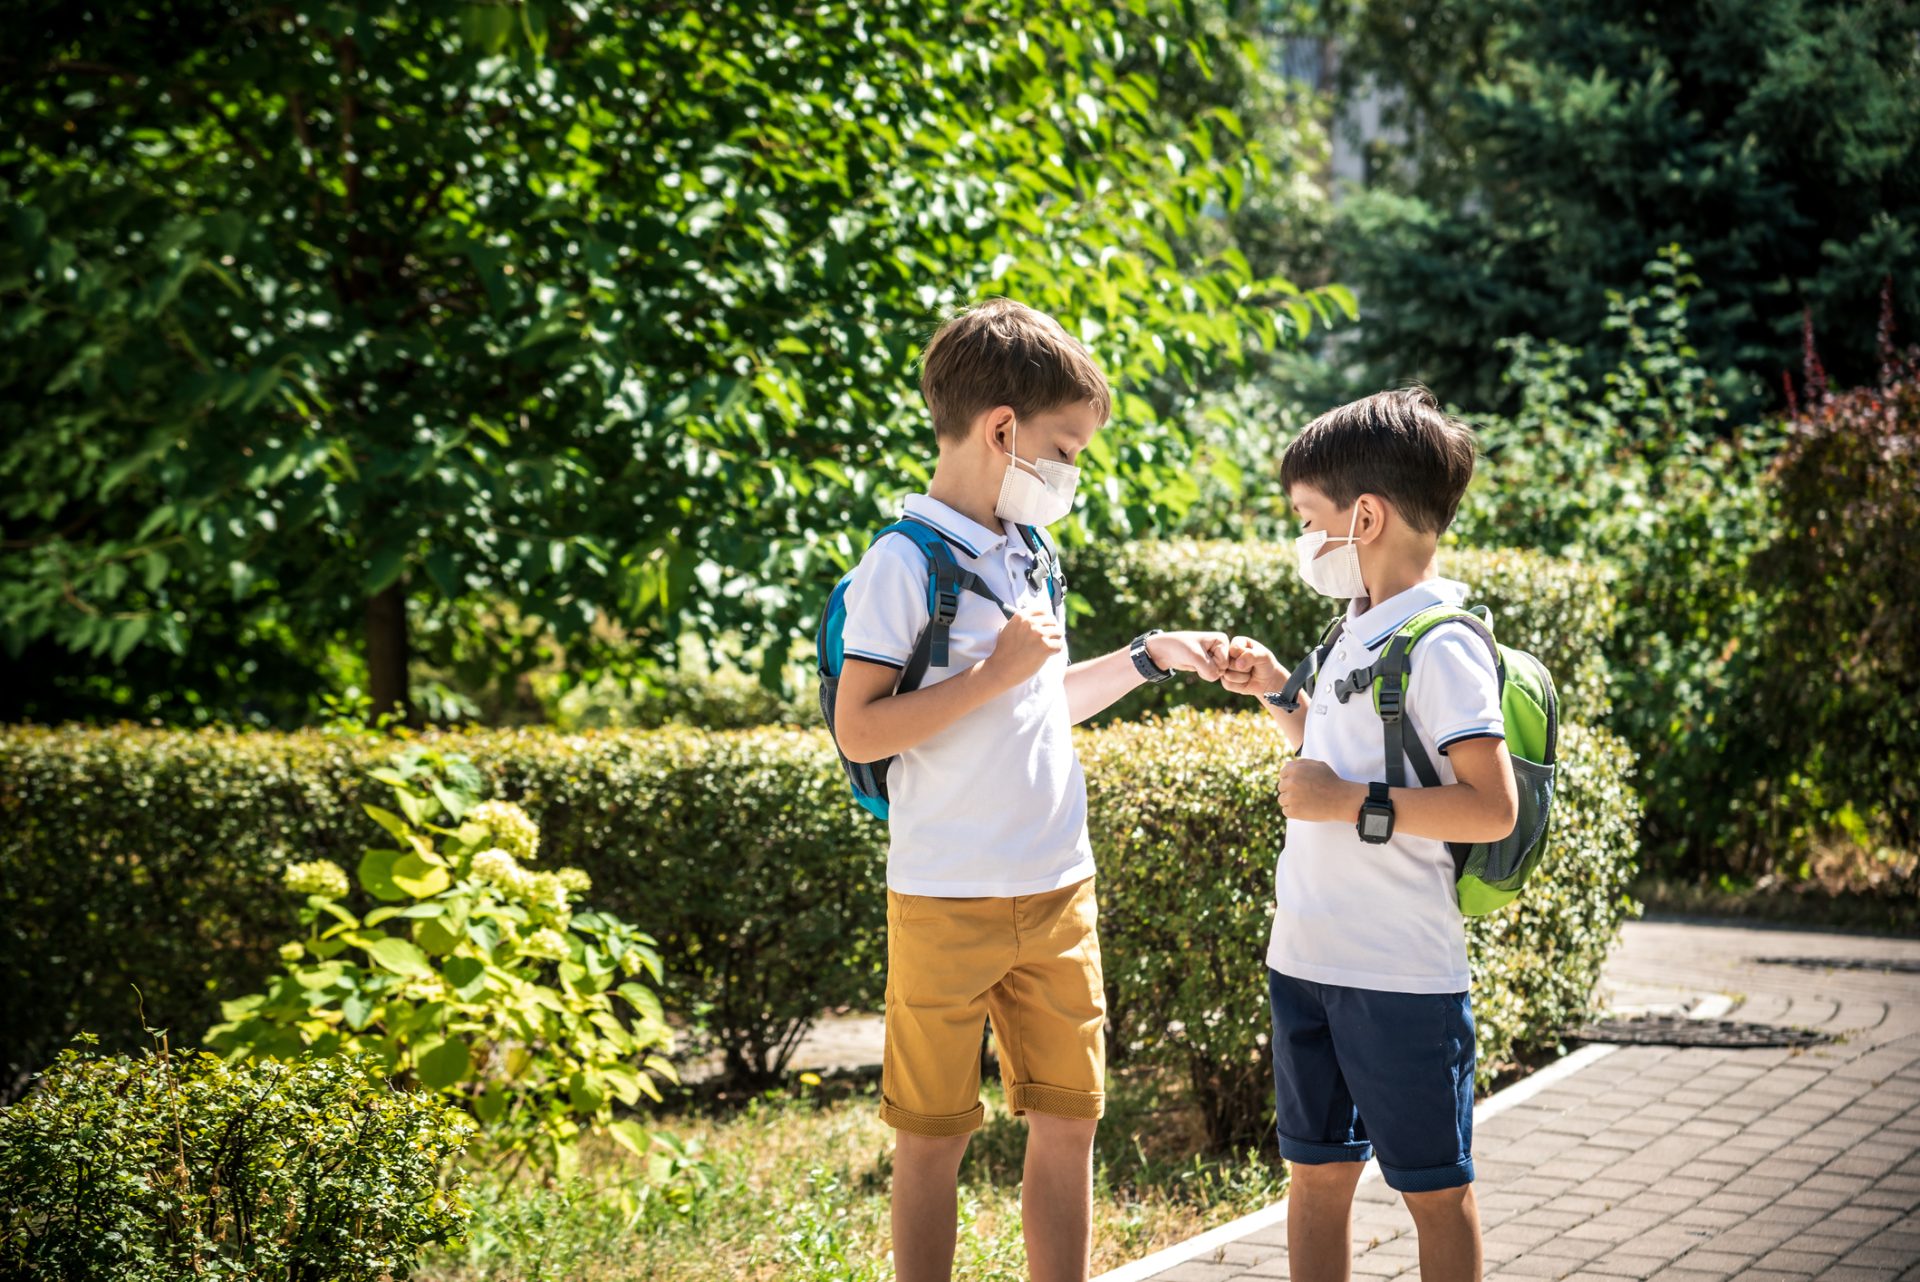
1506,864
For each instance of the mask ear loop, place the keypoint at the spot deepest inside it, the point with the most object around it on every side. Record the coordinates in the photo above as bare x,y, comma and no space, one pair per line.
1013,455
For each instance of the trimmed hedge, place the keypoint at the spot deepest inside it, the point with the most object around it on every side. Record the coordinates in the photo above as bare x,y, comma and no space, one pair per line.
134,856
149,857
1560,610
173,1166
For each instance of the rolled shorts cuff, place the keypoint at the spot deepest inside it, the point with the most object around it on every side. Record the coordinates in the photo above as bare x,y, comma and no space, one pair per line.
922,1124
1428,1179
1055,1101
1312,1154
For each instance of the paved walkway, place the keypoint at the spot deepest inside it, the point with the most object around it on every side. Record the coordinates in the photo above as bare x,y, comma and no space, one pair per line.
1681,1164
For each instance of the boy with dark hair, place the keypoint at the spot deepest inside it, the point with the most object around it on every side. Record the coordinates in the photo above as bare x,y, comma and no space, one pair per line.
1373,1040
990,903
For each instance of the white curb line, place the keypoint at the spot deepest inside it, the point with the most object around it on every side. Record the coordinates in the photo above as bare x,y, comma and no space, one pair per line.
1711,1007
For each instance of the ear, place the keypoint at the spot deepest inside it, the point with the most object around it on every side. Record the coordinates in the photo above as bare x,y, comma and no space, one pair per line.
1374,512
996,429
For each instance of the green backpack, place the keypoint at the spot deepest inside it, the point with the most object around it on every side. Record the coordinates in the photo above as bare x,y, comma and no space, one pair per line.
1487,874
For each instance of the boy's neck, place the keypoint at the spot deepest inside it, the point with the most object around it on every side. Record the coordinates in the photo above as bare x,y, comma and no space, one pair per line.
971,496
1391,580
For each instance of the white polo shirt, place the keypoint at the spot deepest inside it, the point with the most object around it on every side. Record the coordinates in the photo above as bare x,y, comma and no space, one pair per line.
995,804
1383,917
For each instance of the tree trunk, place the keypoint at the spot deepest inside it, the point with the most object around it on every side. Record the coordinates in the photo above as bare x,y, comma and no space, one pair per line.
387,651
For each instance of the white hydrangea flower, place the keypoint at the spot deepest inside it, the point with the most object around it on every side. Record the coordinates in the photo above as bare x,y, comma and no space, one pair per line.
497,867
319,877
511,828
547,890
292,952
575,879
546,942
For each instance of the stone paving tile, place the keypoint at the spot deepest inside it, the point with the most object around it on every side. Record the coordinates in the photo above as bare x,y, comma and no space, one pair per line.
1694,1164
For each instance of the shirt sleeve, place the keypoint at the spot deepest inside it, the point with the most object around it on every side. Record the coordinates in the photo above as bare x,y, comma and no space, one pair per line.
1456,688
886,603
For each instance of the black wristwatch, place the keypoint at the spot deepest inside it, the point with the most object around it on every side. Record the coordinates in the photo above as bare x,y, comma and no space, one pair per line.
1376,816
1143,662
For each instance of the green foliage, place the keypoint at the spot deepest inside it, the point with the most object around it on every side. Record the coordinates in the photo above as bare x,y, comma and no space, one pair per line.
1187,830
764,884
159,1167
1561,611
509,327
1838,676
1639,472
475,977
1757,657
1532,154
1577,468
710,697
738,851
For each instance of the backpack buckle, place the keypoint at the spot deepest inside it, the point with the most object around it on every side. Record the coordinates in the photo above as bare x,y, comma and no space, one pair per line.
1353,683
946,604
1390,701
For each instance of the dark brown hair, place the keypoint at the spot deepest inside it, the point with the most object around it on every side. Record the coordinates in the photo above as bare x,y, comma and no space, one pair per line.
1005,353
1400,445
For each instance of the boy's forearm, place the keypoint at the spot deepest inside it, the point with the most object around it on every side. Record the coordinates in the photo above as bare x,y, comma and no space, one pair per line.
1095,685
890,725
1451,812
1292,724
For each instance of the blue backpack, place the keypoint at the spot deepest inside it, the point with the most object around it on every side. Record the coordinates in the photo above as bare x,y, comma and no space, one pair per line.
946,580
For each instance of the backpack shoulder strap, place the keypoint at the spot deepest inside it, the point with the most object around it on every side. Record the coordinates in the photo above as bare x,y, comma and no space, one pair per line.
1308,669
1389,675
1047,560
946,580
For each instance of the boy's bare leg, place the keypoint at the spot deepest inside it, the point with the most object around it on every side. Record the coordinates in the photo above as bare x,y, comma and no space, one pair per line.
1056,1197
926,1175
1448,1224
1320,1220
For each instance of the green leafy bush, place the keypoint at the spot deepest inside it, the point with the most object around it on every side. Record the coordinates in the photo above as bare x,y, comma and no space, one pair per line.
1839,672
493,990
712,697
738,851
1641,473
765,886
161,1166
1762,658
1559,610
1187,830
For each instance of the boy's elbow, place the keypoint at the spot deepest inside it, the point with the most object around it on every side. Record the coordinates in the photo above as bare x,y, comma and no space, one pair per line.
849,735
1504,818
861,754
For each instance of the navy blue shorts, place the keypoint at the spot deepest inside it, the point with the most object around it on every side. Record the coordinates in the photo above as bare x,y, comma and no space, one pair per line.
1355,1070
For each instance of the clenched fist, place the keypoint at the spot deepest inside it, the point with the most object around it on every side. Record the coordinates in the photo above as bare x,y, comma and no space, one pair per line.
1312,793
1250,668
1197,652
1031,637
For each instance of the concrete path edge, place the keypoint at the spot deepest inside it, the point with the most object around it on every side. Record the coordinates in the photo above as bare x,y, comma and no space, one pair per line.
1709,1006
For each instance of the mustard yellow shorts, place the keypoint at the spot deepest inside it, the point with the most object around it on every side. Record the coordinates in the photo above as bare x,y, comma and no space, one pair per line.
1031,963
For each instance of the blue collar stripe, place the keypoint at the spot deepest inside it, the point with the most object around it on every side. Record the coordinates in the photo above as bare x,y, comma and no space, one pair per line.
924,519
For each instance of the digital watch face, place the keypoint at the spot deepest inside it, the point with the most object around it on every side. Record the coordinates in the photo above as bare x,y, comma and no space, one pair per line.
1377,825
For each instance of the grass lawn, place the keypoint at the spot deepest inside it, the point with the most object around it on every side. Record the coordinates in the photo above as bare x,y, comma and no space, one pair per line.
792,1185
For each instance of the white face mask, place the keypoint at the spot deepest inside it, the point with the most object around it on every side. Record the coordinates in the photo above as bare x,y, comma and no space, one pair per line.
1337,574
1039,497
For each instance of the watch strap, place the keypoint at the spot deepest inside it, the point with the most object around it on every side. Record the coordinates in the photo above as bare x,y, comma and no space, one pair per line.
1143,662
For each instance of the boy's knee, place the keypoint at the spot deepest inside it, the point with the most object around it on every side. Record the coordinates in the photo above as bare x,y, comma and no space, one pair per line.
1321,1177
1440,1202
1052,1130
909,1147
